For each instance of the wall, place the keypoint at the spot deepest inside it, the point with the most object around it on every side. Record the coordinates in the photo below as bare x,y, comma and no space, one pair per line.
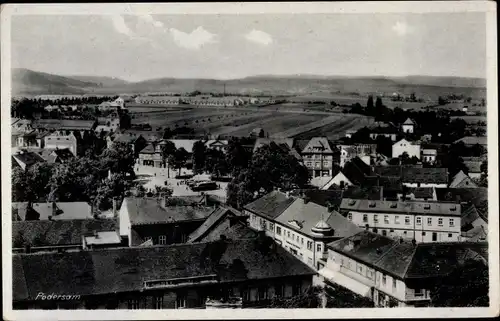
407,128
435,185
124,222
174,233
400,147
61,142
410,230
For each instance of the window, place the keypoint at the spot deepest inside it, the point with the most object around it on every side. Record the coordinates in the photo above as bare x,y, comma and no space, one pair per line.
318,247
278,230
440,221
309,245
162,240
365,218
429,221
309,164
384,279
375,218
262,293
370,274
180,301
419,220
302,240
293,237
271,226
317,164
360,269
296,289
325,163
384,232
133,304
349,216
450,235
452,222
158,302
423,233
407,220
419,292
279,290
396,219
245,294
394,283
404,232
386,219
288,234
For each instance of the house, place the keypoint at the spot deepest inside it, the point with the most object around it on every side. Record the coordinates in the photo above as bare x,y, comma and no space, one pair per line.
429,155
476,196
225,221
26,211
319,157
135,141
422,221
260,141
418,194
53,156
473,140
107,124
73,125
24,159
408,126
462,180
63,235
474,166
159,277
404,146
62,140
23,134
151,156
412,176
299,226
338,179
394,273
158,100
474,225
220,145
257,132
388,131
332,198
363,151
153,219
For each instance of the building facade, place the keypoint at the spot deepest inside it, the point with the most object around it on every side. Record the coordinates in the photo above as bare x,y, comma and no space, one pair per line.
319,157
404,146
62,140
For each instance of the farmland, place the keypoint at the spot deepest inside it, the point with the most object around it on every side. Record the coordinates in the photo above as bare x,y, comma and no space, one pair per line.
472,119
337,128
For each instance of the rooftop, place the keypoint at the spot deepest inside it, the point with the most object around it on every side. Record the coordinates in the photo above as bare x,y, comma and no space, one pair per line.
318,145
70,124
472,140
63,210
270,205
459,178
264,141
142,210
425,175
26,159
410,207
103,237
128,269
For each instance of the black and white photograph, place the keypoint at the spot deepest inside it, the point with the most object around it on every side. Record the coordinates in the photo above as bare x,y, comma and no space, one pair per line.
250,160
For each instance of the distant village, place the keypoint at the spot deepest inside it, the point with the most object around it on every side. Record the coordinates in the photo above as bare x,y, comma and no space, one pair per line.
120,217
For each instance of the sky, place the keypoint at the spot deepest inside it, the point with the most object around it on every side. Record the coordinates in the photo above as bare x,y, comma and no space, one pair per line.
140,47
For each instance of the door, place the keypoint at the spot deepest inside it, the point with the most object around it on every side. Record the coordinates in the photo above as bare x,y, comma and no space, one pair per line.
434,237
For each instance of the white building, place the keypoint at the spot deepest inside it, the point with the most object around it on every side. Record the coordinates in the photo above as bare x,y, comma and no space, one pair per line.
429,155
319,157
408,126
62,140
414,177
303,228
365,264
402,146
363,151
423,221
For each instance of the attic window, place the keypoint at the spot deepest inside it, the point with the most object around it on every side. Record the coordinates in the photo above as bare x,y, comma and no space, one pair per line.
453,208
352,202
427,206
371,204
394,205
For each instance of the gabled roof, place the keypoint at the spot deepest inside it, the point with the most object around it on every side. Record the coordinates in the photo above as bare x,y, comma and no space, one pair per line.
318,145
127,138
57,233
404,260
143,210
149,149
409,121
476,196
26,159
473,166
270,205
308,214
462,180
265,141
64,210
356,170
127,269
424,175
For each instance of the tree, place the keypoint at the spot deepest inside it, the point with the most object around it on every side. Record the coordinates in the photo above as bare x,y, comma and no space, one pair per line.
178,160
238,157
167,149
198,157
270,167
483,181
442,101
466,286
119,158
378,103
369,103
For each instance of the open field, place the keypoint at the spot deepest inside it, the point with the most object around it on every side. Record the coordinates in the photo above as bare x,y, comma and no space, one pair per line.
472,119
135,108
336,127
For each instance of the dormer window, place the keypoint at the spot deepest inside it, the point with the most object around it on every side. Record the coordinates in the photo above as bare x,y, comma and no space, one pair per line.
427,206
453,208
352,202
372,204
394,205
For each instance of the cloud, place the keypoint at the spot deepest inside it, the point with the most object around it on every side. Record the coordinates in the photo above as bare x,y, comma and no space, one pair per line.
194,40
401,28
259,37
148,18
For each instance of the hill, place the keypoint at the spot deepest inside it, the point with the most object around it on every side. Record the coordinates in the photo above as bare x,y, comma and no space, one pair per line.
31,82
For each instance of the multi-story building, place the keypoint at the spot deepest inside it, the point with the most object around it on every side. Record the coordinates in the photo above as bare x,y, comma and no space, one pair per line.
72,125
394,273
151,156
429,155
301,227
412,176
135,141
319,157
363,151
422,221
61,140
408,126
179,276
404,146
386,131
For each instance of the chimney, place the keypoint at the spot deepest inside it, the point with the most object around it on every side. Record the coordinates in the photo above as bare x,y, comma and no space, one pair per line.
287,194
114,208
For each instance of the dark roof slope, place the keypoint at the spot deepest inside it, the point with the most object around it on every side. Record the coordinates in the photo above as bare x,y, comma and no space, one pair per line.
425,175
126,269
57,233
270,205
475,196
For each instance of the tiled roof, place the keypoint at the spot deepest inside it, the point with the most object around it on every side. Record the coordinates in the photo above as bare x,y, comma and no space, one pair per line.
472,140
53,233
422,192
270,205
149,149
405,260
144,210
410,207
425,175
307,215
127,138
70,124
461,180
473,166
475,196
265,141
355,170
409,121
209,223
318,145
64,210
126,269
187,144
